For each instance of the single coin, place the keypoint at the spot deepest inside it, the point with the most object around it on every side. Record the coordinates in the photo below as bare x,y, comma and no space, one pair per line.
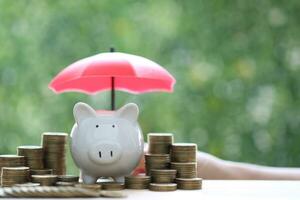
44,180
68,178
50,192
113,186
29,184
189,183
163,175
94,187
162,187
61,183
137,182
160,143
40,171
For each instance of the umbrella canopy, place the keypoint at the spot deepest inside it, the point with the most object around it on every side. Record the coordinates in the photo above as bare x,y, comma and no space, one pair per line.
114,70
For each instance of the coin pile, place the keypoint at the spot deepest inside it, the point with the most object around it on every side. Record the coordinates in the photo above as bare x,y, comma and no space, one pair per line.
93,187
156,161
11,161
55,145
28,184
137,182
50,191
183,152
185,170
44,180
68,178
34,156
14,175
112,186
183,164
40,171
61,183
160,143
163,175
162,187
189,183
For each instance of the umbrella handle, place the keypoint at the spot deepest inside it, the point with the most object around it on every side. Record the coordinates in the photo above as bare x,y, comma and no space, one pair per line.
112,86
112,93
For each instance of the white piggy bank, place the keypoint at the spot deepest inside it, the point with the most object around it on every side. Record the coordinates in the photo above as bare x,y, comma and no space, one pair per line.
106,143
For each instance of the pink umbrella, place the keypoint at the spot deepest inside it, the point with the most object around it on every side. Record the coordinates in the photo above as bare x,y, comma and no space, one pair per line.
114,70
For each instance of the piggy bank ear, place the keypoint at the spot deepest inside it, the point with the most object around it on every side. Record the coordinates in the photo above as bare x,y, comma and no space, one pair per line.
82,111
130,112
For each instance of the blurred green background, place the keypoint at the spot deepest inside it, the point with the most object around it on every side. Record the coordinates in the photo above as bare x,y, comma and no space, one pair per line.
237,65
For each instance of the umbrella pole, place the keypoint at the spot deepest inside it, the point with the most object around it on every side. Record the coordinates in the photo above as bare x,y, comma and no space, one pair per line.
112,93
112,87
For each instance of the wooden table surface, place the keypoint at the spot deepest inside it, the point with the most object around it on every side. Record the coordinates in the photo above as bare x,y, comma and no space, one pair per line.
227,190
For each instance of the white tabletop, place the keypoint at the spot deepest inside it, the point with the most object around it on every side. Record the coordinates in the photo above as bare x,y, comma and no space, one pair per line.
226,190
231,190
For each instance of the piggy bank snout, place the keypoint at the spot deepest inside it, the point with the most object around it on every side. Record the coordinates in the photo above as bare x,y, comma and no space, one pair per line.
105,152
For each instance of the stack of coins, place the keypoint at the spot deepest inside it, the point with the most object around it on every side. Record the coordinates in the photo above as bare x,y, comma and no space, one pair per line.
163,175
137,182
162,187
11,161
34,156
185,170
61,183
14,175
183,152
160,143
183,164
28,184
112,186
68,178
92,187
54,145
44,180
189,183
156,161
40,171
54,192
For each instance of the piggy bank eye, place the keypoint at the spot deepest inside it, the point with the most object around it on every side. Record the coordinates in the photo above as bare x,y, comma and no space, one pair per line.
97,126
113,126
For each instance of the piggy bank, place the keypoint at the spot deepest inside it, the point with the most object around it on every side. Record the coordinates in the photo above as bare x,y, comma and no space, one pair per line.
106,143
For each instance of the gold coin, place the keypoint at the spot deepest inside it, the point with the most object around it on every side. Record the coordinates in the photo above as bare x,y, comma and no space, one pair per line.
14,175
112,186
62,183
44,180
162,187
68,178
28,184
137,182
160,143
50,192
185,170
94,187
183,152
40,171
163,175
55,145
11,161
34,156
156,161
189,183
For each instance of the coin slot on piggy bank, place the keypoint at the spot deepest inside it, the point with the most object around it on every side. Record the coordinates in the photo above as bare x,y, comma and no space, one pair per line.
106,143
